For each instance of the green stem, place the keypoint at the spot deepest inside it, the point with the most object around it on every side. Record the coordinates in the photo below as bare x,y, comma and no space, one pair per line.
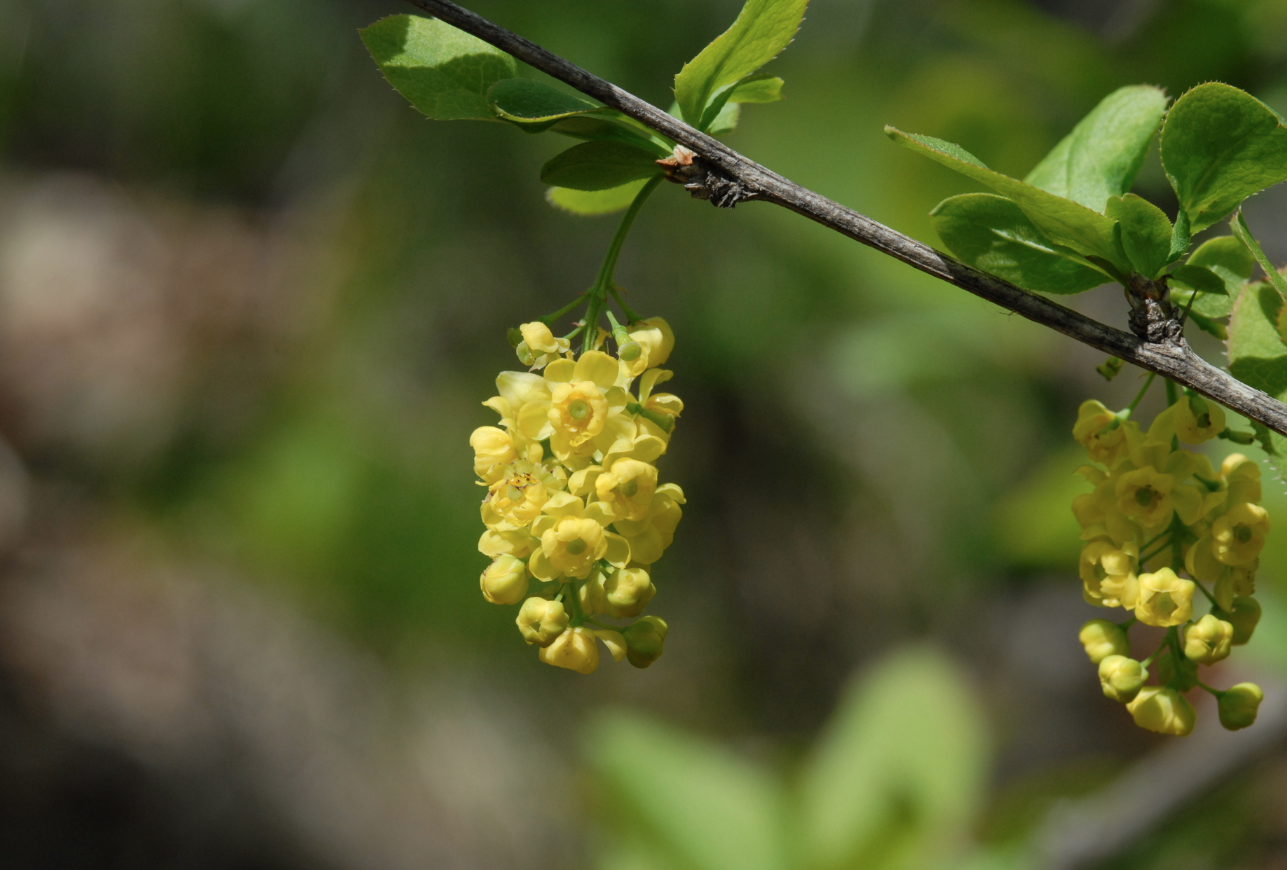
1172,393
1144,560
549,319
632,316
1130,409
1215,692
1209,596
598,293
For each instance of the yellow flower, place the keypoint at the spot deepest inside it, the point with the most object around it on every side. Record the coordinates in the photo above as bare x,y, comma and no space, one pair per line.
644,640
1242,477
574,649
614,641
1108,574
1102,639
516,499
627,591
1197,420
1103,444
1121,678
628,487
510,542
655,339
540,345
1240,534
493,450
1165,599
1144,494
1237,581
1162,710
540,621
1239,706
650,536
1208,640
573,539
505,580
586,412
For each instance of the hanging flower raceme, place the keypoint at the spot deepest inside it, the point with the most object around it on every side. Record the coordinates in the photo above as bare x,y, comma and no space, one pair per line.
575,512
1157,511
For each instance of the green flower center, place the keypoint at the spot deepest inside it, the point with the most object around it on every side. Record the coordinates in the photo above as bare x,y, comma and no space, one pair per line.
1165,604
1242,533
579,410
575,547
629,488
1144,496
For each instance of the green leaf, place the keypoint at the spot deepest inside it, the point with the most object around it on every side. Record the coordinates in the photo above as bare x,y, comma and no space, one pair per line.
1243,233
1228,258
1063,221
599,165
991,233
725,121
708,809
444,72
1146,232
900,772
1213,299
1219,146
1257,355
762,29
761,88
589,203
1103,154
526,101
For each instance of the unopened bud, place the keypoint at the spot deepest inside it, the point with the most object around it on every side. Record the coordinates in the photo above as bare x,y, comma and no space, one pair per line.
627,592
574,649
525,355
1243,616
1208,640
505,580
644,640
541,621
1239,706
1102,639
1163,710
1121,678
1109,368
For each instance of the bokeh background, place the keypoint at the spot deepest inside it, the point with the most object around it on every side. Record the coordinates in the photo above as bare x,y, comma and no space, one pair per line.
250,303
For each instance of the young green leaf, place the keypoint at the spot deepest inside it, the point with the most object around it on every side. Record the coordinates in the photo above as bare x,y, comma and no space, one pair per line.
762,29
590,203
1219,146
526,101
1228,258
761,88
444,72
1146,232
725,121
991,233
1212,301
1243,233
1257,355
705,808
1103,154
599,165
1063,221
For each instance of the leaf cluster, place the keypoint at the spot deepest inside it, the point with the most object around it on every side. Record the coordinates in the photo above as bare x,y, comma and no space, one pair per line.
450,75
1072,224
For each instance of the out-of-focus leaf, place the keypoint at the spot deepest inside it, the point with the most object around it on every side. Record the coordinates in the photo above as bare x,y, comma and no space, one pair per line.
991,233
1103,153
595,202
762,29
599,165
444,72
1146,232
1063,221
1257,355
1034,525
1213,299
705,808
1219,146
1228,258
1243,233
899,776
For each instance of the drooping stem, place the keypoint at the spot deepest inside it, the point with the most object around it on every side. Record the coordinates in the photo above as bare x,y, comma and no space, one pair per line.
603,283
1148,382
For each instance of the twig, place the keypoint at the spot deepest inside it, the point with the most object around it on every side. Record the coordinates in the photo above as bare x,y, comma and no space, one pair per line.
1171,359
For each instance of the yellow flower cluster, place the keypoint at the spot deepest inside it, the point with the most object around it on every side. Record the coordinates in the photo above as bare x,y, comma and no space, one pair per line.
573,499
1157,511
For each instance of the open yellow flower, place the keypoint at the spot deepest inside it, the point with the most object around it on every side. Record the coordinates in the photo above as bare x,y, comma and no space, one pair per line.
540,345
628,487
573,539
650,536
1108,574
1144,494
1208,640
516,499
1099,431
1242,478
1239,535
655,338
541,621
1164,599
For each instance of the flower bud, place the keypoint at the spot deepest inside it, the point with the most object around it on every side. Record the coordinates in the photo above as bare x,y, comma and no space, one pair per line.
1102,639
644,640
541,621
505,580
574,649
1185,679
655,335
1239,705
1208,640
1121,678
627,592
524,353
1163,710
1243,617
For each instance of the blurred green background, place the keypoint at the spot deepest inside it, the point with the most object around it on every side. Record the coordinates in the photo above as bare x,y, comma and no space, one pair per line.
250,303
